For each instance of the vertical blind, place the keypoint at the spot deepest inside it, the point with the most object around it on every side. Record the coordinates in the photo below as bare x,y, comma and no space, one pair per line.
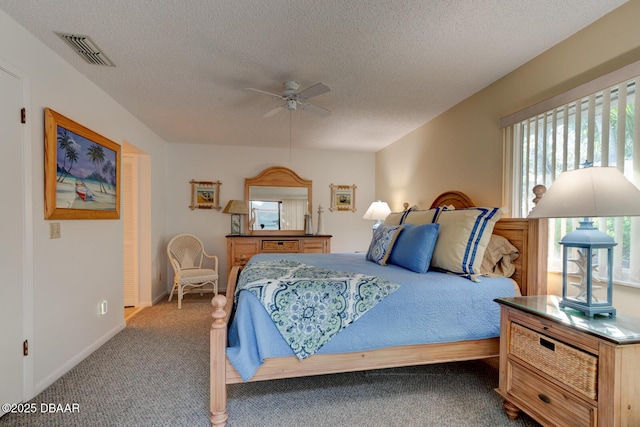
602,129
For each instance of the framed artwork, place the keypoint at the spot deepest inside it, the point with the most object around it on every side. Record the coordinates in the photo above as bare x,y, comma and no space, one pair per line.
343,198
205,195
81,171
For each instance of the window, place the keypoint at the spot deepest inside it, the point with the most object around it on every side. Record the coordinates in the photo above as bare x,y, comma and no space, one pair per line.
602,128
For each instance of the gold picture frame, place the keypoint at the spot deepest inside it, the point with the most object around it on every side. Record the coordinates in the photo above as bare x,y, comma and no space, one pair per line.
205,195
343,198
81,171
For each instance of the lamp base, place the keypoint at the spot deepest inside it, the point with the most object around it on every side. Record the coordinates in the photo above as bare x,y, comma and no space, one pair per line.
589,310
235,225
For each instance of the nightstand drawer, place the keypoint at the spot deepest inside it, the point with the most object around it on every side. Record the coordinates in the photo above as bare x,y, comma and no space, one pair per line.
573,367
557,406
280,245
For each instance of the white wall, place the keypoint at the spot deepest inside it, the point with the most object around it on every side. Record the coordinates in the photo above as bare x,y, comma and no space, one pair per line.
71,275
231,165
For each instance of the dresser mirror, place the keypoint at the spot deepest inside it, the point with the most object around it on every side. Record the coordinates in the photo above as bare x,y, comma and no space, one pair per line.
278,200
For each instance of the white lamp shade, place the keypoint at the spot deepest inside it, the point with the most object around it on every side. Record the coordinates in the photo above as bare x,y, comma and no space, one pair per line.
589,192
377,211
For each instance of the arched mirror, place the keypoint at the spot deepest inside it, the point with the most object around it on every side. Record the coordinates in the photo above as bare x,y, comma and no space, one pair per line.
277,199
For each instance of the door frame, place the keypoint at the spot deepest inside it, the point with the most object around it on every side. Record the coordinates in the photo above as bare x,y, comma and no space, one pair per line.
27,232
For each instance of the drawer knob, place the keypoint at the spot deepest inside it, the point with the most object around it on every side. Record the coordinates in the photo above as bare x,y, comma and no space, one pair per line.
544,398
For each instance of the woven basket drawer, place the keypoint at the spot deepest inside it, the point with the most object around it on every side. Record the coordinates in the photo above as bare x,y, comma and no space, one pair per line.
571,366
280,245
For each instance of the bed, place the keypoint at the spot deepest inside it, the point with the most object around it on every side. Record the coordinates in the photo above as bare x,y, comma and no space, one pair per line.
524,234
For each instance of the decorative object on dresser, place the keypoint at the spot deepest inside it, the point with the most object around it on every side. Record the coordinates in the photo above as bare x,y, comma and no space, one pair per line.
186,254
320,221
588,192
566,369
236,208
378,211
205,195
343,198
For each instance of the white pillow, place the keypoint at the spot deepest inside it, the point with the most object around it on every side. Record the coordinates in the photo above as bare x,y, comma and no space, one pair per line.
463,238
419,217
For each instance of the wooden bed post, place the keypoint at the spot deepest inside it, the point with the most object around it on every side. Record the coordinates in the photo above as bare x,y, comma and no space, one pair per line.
217,373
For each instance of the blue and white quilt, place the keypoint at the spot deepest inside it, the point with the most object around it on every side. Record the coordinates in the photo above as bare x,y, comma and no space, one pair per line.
430,307
310,305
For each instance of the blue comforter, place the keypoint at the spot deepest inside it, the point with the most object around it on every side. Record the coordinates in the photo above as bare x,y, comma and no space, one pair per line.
427,308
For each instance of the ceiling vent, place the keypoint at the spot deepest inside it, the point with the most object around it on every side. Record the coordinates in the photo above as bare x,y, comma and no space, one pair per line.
87,49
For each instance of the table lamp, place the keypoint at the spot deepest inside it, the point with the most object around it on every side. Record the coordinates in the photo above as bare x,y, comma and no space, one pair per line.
236,208
588,192
377,211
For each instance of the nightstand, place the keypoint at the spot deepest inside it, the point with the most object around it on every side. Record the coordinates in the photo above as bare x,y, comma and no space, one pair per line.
566,369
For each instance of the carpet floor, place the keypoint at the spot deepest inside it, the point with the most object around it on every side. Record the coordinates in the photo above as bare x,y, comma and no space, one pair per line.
156,373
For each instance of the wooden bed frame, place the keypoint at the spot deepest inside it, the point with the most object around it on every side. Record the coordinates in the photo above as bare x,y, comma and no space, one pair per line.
528,235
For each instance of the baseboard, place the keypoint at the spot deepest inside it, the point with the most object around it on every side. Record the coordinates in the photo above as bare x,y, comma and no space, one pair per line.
160,297
58,373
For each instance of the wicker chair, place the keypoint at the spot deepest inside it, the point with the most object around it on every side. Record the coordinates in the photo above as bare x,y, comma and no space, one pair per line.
186,253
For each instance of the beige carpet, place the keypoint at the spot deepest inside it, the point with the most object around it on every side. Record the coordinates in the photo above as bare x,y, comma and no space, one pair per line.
155,373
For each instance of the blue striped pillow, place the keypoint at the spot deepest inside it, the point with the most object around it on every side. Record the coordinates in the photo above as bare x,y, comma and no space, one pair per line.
463,238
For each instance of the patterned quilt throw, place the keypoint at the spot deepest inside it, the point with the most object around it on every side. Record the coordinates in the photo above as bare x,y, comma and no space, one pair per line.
309,305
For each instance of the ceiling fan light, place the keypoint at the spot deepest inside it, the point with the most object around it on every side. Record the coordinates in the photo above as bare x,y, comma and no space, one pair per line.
291,104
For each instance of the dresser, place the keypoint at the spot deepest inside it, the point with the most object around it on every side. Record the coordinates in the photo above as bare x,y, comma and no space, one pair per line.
566,369
241,248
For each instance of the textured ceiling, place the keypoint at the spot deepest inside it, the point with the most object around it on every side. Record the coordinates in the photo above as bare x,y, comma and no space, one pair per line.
182,66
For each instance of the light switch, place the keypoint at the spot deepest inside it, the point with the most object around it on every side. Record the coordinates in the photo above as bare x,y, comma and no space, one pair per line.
54,230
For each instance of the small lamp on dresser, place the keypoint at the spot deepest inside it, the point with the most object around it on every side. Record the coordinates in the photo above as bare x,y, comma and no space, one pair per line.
588,192
236,208
377,211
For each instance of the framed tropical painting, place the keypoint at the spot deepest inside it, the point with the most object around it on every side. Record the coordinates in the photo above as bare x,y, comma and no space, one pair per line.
81,171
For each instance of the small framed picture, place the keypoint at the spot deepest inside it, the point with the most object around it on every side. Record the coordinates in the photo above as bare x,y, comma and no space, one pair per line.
343,198
205,195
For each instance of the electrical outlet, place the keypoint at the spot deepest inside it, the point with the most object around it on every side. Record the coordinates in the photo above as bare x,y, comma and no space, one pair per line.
103,307
54,230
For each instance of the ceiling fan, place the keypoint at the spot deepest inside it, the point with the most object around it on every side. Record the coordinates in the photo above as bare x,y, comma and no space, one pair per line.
292,98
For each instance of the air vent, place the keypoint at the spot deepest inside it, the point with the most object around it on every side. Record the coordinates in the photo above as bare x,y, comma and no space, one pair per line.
87,49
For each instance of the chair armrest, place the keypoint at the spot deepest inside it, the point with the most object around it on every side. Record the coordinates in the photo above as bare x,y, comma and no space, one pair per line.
214,258
175,265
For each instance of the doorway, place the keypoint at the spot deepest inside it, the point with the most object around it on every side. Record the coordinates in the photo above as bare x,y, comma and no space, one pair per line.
136,216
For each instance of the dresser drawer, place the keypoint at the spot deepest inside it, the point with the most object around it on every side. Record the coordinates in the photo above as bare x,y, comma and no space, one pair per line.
571,366
280,245
558,407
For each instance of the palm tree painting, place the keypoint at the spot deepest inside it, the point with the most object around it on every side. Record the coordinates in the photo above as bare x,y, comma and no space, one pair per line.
85,171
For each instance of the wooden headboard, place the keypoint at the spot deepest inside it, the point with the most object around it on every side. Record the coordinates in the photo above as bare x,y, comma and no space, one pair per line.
528,235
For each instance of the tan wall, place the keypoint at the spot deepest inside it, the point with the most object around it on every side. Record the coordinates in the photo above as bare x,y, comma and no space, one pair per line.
462,148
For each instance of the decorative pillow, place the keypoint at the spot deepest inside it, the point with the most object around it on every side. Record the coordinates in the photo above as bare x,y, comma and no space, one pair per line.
414,247
395,218
498,257
463,238
418,217
382,243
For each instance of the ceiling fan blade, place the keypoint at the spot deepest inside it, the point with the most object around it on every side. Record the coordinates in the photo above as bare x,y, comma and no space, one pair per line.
266,93
315,109
273,112
315,90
